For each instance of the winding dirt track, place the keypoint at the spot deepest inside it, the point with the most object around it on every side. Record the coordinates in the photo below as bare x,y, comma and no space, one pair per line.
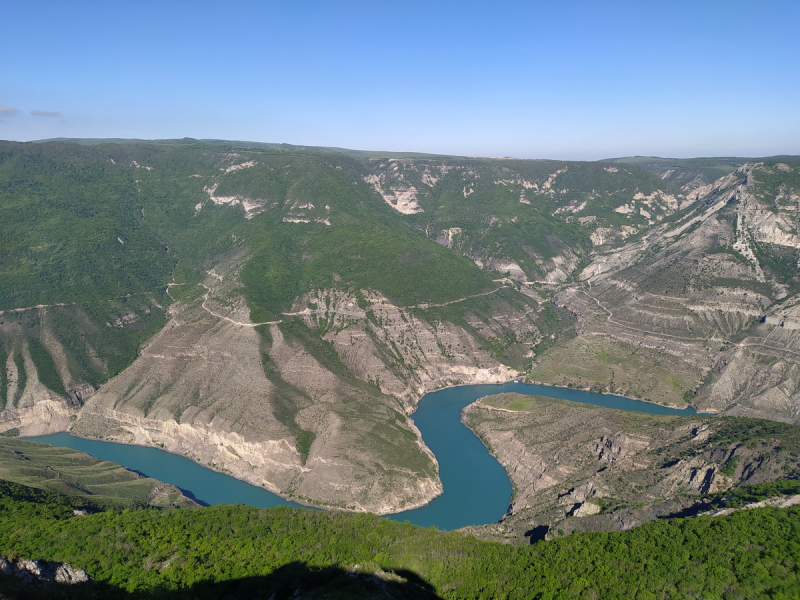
224,318
38,306
742,344
308,311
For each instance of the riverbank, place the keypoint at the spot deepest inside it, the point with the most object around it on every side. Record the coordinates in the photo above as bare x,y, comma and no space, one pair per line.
587,389
476,489
584,467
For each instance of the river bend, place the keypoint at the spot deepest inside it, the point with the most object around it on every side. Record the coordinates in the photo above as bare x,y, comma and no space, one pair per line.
476,488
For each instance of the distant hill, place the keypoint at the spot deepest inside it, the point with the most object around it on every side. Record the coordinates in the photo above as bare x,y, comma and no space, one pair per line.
253,146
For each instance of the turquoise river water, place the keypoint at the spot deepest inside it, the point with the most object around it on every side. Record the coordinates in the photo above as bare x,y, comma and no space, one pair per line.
476,487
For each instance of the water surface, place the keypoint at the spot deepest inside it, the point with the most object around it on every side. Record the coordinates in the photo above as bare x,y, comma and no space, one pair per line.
476,488
197,482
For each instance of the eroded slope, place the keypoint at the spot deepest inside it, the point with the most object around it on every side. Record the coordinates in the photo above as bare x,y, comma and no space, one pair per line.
700,309
581,467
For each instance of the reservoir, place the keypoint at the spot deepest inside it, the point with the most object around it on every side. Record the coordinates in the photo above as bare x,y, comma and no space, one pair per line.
476,488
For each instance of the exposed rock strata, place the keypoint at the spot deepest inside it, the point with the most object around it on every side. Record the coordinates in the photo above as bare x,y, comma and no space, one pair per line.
404,353
694,297
562,468
39,570
46,416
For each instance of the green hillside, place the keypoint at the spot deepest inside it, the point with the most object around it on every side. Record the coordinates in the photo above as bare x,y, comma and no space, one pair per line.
82,477
240,552
95,239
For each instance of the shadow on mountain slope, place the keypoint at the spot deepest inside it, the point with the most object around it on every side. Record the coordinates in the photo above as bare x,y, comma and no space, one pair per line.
293,580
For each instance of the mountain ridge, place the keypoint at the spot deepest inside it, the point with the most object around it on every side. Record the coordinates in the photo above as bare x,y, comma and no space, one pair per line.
138,272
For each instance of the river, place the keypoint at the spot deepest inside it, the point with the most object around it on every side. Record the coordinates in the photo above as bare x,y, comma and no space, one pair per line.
476,487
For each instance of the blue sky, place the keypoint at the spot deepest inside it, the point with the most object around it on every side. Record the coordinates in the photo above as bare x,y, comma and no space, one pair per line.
571,79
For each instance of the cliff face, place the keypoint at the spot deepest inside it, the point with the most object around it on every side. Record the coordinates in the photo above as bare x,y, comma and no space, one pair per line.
701,309
616,469
38,570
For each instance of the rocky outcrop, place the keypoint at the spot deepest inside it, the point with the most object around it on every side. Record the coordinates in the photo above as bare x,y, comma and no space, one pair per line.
395,191
563,469
780,502
251,206
404,353
39,570
49,414
613,448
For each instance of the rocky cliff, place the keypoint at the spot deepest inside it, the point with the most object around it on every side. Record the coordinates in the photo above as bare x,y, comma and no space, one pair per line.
37,570
700,309
578,466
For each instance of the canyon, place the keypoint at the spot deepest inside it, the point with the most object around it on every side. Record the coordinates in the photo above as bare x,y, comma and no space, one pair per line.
277,314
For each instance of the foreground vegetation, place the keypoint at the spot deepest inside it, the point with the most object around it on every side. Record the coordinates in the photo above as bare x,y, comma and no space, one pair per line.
238,551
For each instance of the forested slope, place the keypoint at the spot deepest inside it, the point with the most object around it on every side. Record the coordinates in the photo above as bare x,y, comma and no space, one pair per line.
240,552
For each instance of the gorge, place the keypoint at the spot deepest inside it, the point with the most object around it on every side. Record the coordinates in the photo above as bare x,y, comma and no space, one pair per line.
476,490
276,312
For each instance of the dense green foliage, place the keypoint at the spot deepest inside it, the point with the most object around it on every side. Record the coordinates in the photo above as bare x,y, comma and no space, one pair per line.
3,378
741,496
746,430
22,375
55,504
45,367
94,233
81,222
210,552
62,216
366,246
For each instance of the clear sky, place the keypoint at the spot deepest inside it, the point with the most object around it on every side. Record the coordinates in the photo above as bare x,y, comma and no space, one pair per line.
557,79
